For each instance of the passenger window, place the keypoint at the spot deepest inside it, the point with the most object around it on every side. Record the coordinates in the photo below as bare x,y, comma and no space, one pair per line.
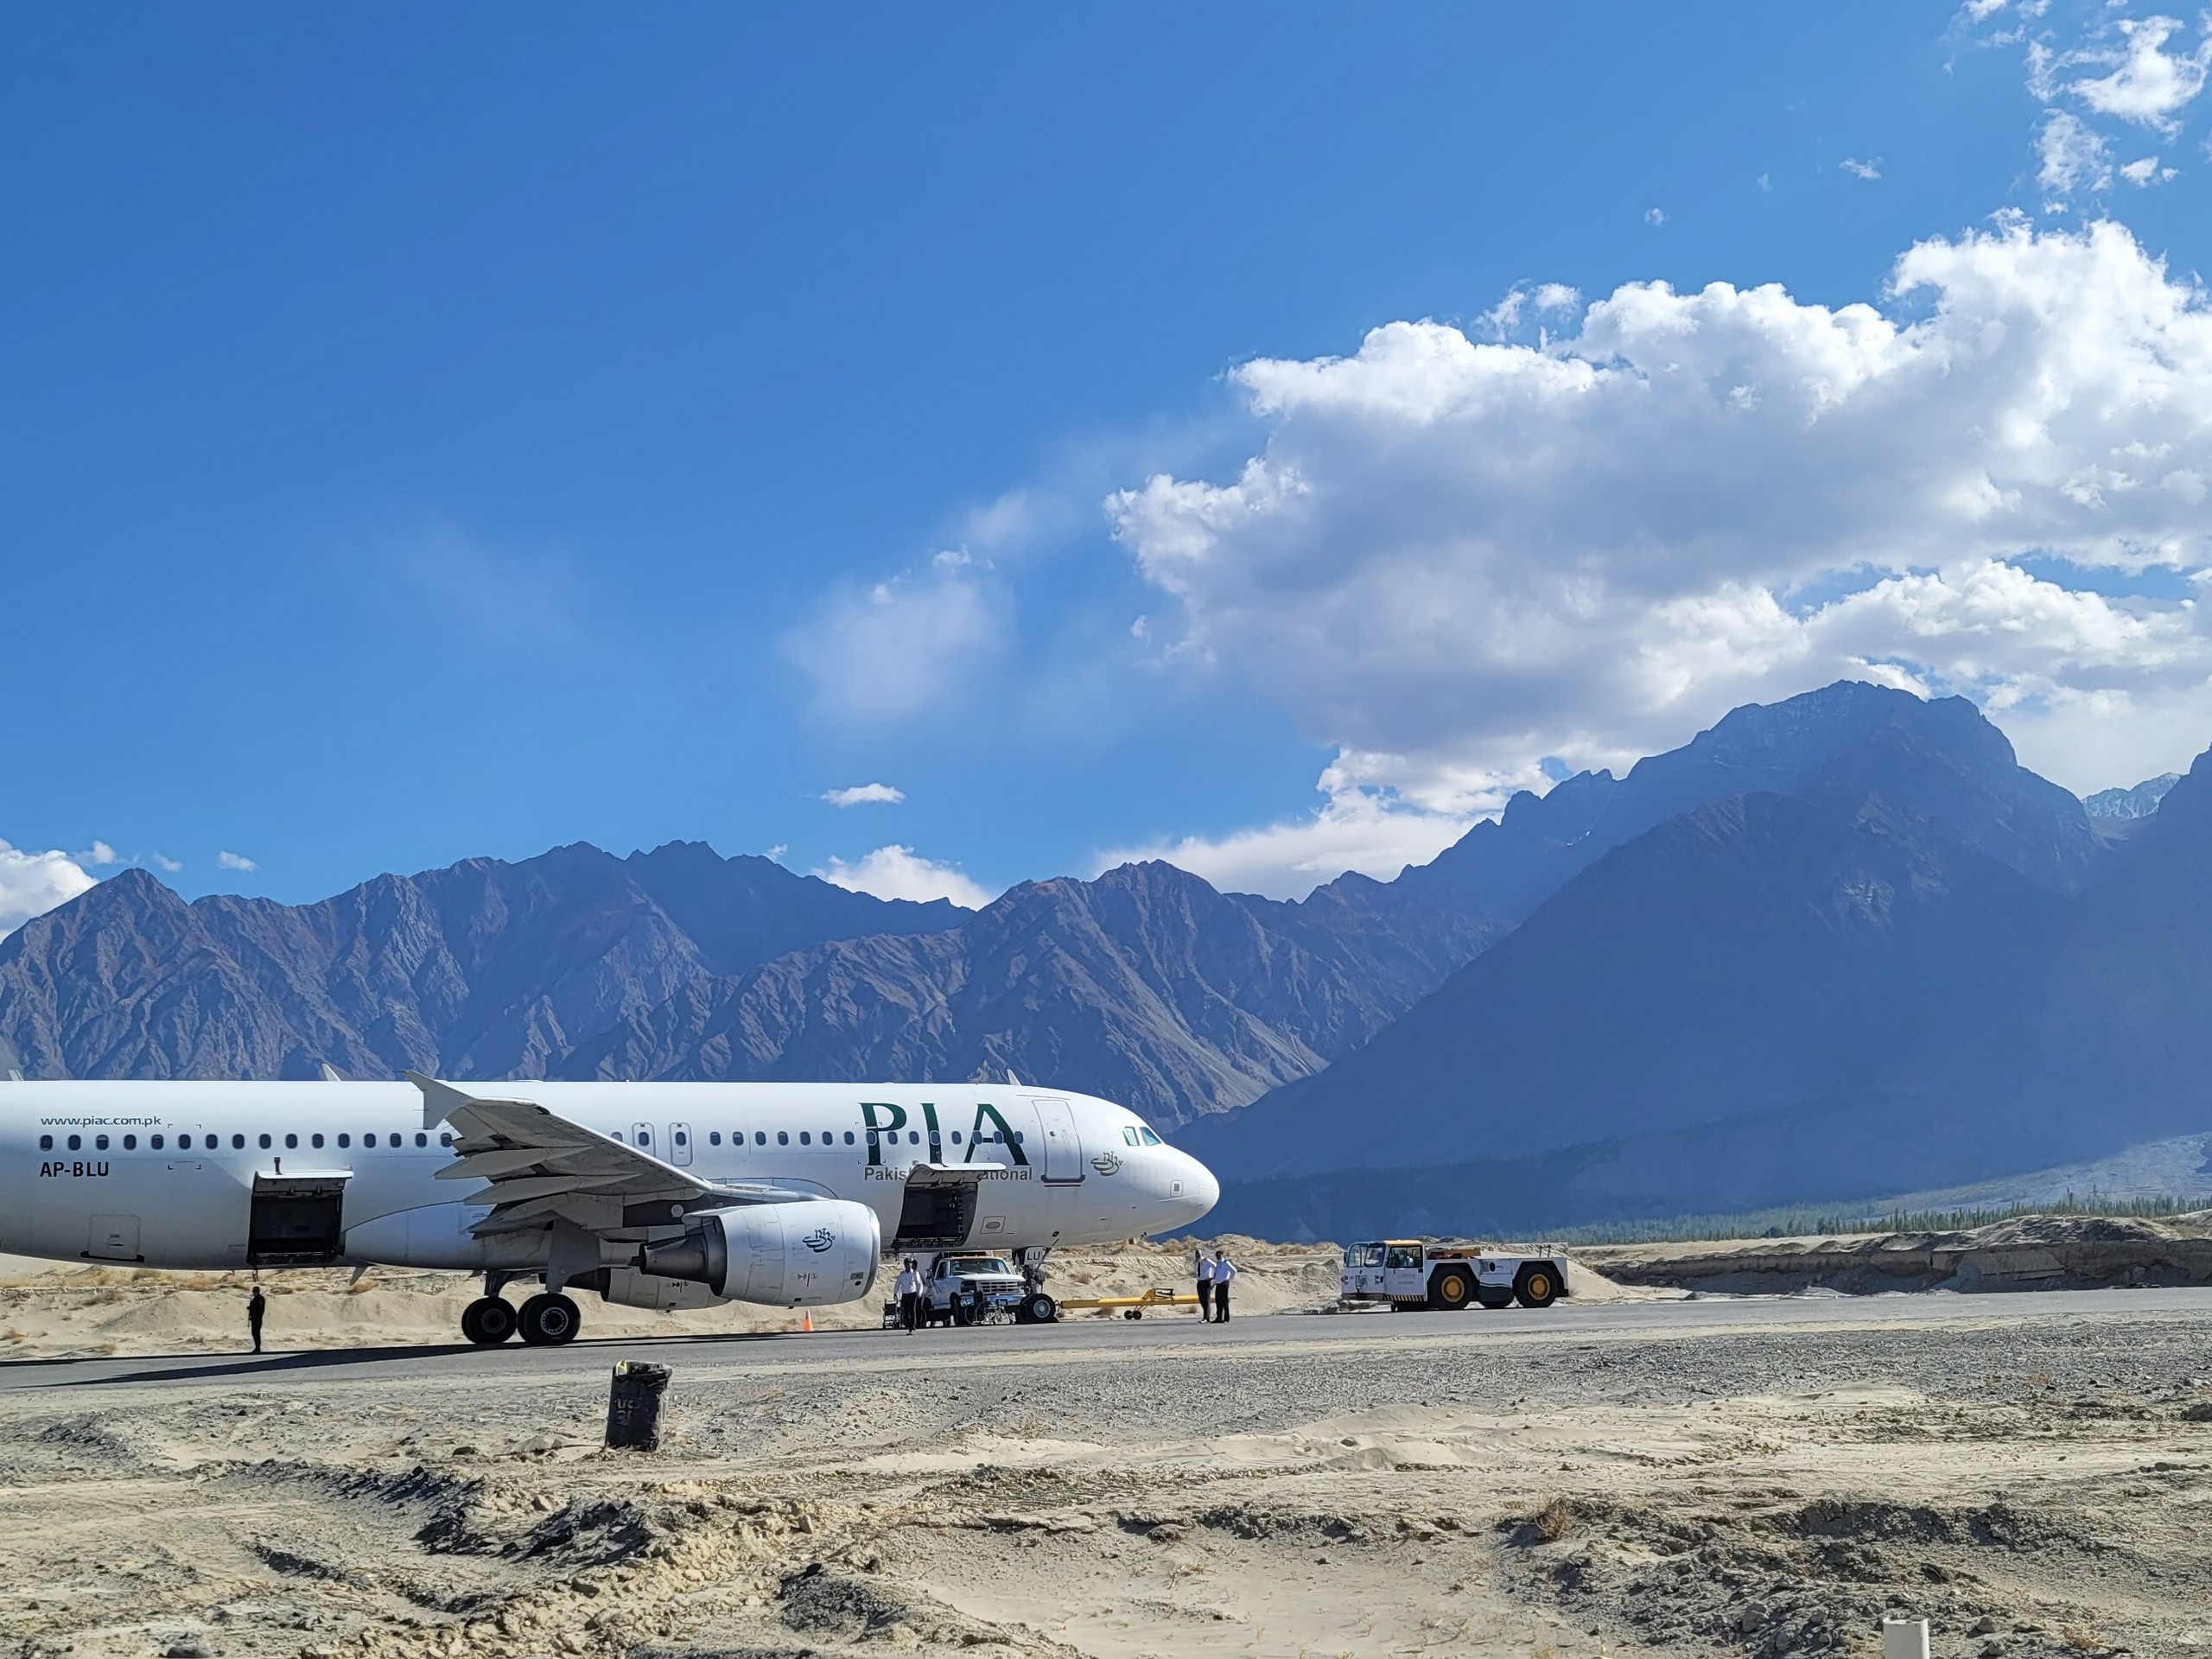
849,1137
681,1139
46,1143
237,1143
1017,1137
264,1143
783,1137
421,1139
130,1143
614,1135
316,1141
914,1137
183,1142
955,1137
714,1137
100,1143
368,1140
76,1143
803,1137
155,1143
645,1137
445,1139
290,1141
759,1137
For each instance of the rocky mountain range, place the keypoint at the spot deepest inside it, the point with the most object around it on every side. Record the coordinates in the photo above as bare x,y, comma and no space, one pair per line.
1829,939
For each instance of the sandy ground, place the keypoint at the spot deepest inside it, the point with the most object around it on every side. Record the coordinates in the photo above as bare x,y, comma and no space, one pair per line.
2033,1485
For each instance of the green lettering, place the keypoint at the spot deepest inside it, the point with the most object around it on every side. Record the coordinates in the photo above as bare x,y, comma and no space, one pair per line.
868,1110
985,1109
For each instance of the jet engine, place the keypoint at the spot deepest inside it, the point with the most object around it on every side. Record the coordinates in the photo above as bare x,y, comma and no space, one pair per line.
806,1254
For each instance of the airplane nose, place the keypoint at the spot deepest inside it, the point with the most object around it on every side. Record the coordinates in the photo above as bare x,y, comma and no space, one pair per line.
1201,1192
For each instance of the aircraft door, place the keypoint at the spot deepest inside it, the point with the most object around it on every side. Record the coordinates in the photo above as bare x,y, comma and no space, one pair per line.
679,1143
1062,1158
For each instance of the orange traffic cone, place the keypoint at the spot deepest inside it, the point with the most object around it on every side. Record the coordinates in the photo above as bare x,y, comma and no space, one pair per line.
807,1322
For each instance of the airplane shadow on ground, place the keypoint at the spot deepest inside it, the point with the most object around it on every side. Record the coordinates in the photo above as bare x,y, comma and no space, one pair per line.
272,1365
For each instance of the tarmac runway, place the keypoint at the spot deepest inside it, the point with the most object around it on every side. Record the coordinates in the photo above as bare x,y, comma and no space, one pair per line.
1090,1340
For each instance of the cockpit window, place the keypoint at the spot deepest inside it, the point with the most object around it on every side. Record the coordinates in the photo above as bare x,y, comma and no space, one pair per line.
1150,1139
1129,1134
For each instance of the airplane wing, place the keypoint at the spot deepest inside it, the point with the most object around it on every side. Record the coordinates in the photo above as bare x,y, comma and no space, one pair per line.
540,1168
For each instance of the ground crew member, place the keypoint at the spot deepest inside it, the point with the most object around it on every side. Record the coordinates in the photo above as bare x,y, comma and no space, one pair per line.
1206,1287
910,1297
257,1309
1225,1270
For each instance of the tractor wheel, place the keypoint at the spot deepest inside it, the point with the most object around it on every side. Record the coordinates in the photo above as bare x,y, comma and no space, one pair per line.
1453,1287
1537,1286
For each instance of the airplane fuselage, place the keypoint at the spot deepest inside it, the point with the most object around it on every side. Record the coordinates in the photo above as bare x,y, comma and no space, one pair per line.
166,1174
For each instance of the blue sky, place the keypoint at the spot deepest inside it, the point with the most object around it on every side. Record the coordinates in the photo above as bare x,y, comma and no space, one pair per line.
440,431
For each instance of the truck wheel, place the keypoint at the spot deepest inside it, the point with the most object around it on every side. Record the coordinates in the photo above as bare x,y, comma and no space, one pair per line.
1452,1288
1040,1308
1537,1286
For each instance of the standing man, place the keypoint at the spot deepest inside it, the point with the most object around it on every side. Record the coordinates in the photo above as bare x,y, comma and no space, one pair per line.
1205,1285
910,1297
257,1309
1225,1270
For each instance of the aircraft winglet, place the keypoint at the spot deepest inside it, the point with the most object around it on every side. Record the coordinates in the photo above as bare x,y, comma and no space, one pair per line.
330,1073
439,1099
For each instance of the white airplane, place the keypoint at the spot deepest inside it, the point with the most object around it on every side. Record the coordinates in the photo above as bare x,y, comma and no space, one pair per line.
658,1195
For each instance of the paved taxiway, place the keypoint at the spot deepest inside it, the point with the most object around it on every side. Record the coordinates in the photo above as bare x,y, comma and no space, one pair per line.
1158,1338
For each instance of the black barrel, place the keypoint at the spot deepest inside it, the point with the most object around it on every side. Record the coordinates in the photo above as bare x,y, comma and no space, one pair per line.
634,1407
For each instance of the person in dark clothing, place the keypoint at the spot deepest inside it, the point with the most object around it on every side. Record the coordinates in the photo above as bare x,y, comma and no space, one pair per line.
257,1309
1225,1270
910,1297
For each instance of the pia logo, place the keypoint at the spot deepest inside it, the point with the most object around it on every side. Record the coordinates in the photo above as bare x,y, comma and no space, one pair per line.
819,1240
1106,1163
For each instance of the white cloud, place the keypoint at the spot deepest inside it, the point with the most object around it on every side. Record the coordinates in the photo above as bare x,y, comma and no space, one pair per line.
33,883
238,862
901,873
100,854
1451,557
898,648
1859,169
2150,84
2073,157
865,794
162,861
1654,216
2147,172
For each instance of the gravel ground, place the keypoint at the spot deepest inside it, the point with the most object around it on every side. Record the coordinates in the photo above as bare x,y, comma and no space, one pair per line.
2033,1487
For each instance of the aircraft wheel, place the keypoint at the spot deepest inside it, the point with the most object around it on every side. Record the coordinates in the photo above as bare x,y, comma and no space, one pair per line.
488,1321
1538,1287
549,1320
1040,1308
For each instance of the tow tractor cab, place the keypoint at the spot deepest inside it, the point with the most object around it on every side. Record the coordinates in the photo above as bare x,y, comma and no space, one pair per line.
1409,1273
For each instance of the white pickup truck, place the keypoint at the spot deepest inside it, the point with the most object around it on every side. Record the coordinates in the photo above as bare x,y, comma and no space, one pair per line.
964,1288
1409,1273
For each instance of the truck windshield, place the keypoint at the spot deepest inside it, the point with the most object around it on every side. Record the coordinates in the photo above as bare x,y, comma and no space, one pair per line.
1363,1256
978,1264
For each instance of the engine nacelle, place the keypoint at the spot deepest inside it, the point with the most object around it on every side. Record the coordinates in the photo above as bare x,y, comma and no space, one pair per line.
806,1254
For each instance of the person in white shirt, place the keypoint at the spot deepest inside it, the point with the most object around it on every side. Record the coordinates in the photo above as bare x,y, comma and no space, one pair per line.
1225,1270
1206,1287
909,1289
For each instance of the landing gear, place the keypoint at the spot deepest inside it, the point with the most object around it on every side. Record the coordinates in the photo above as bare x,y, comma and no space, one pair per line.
488,1321
1036,1309
547,1320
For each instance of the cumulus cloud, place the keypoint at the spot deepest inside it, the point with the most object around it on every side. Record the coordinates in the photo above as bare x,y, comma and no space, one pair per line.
901,873
1859,169
1654,216
238,862
2148,171
1451,557
2150,86
2073,158
894,650
163,862
99,854
33,883
865,794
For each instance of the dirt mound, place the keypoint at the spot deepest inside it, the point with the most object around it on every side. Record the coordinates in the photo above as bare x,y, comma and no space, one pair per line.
2026,1253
